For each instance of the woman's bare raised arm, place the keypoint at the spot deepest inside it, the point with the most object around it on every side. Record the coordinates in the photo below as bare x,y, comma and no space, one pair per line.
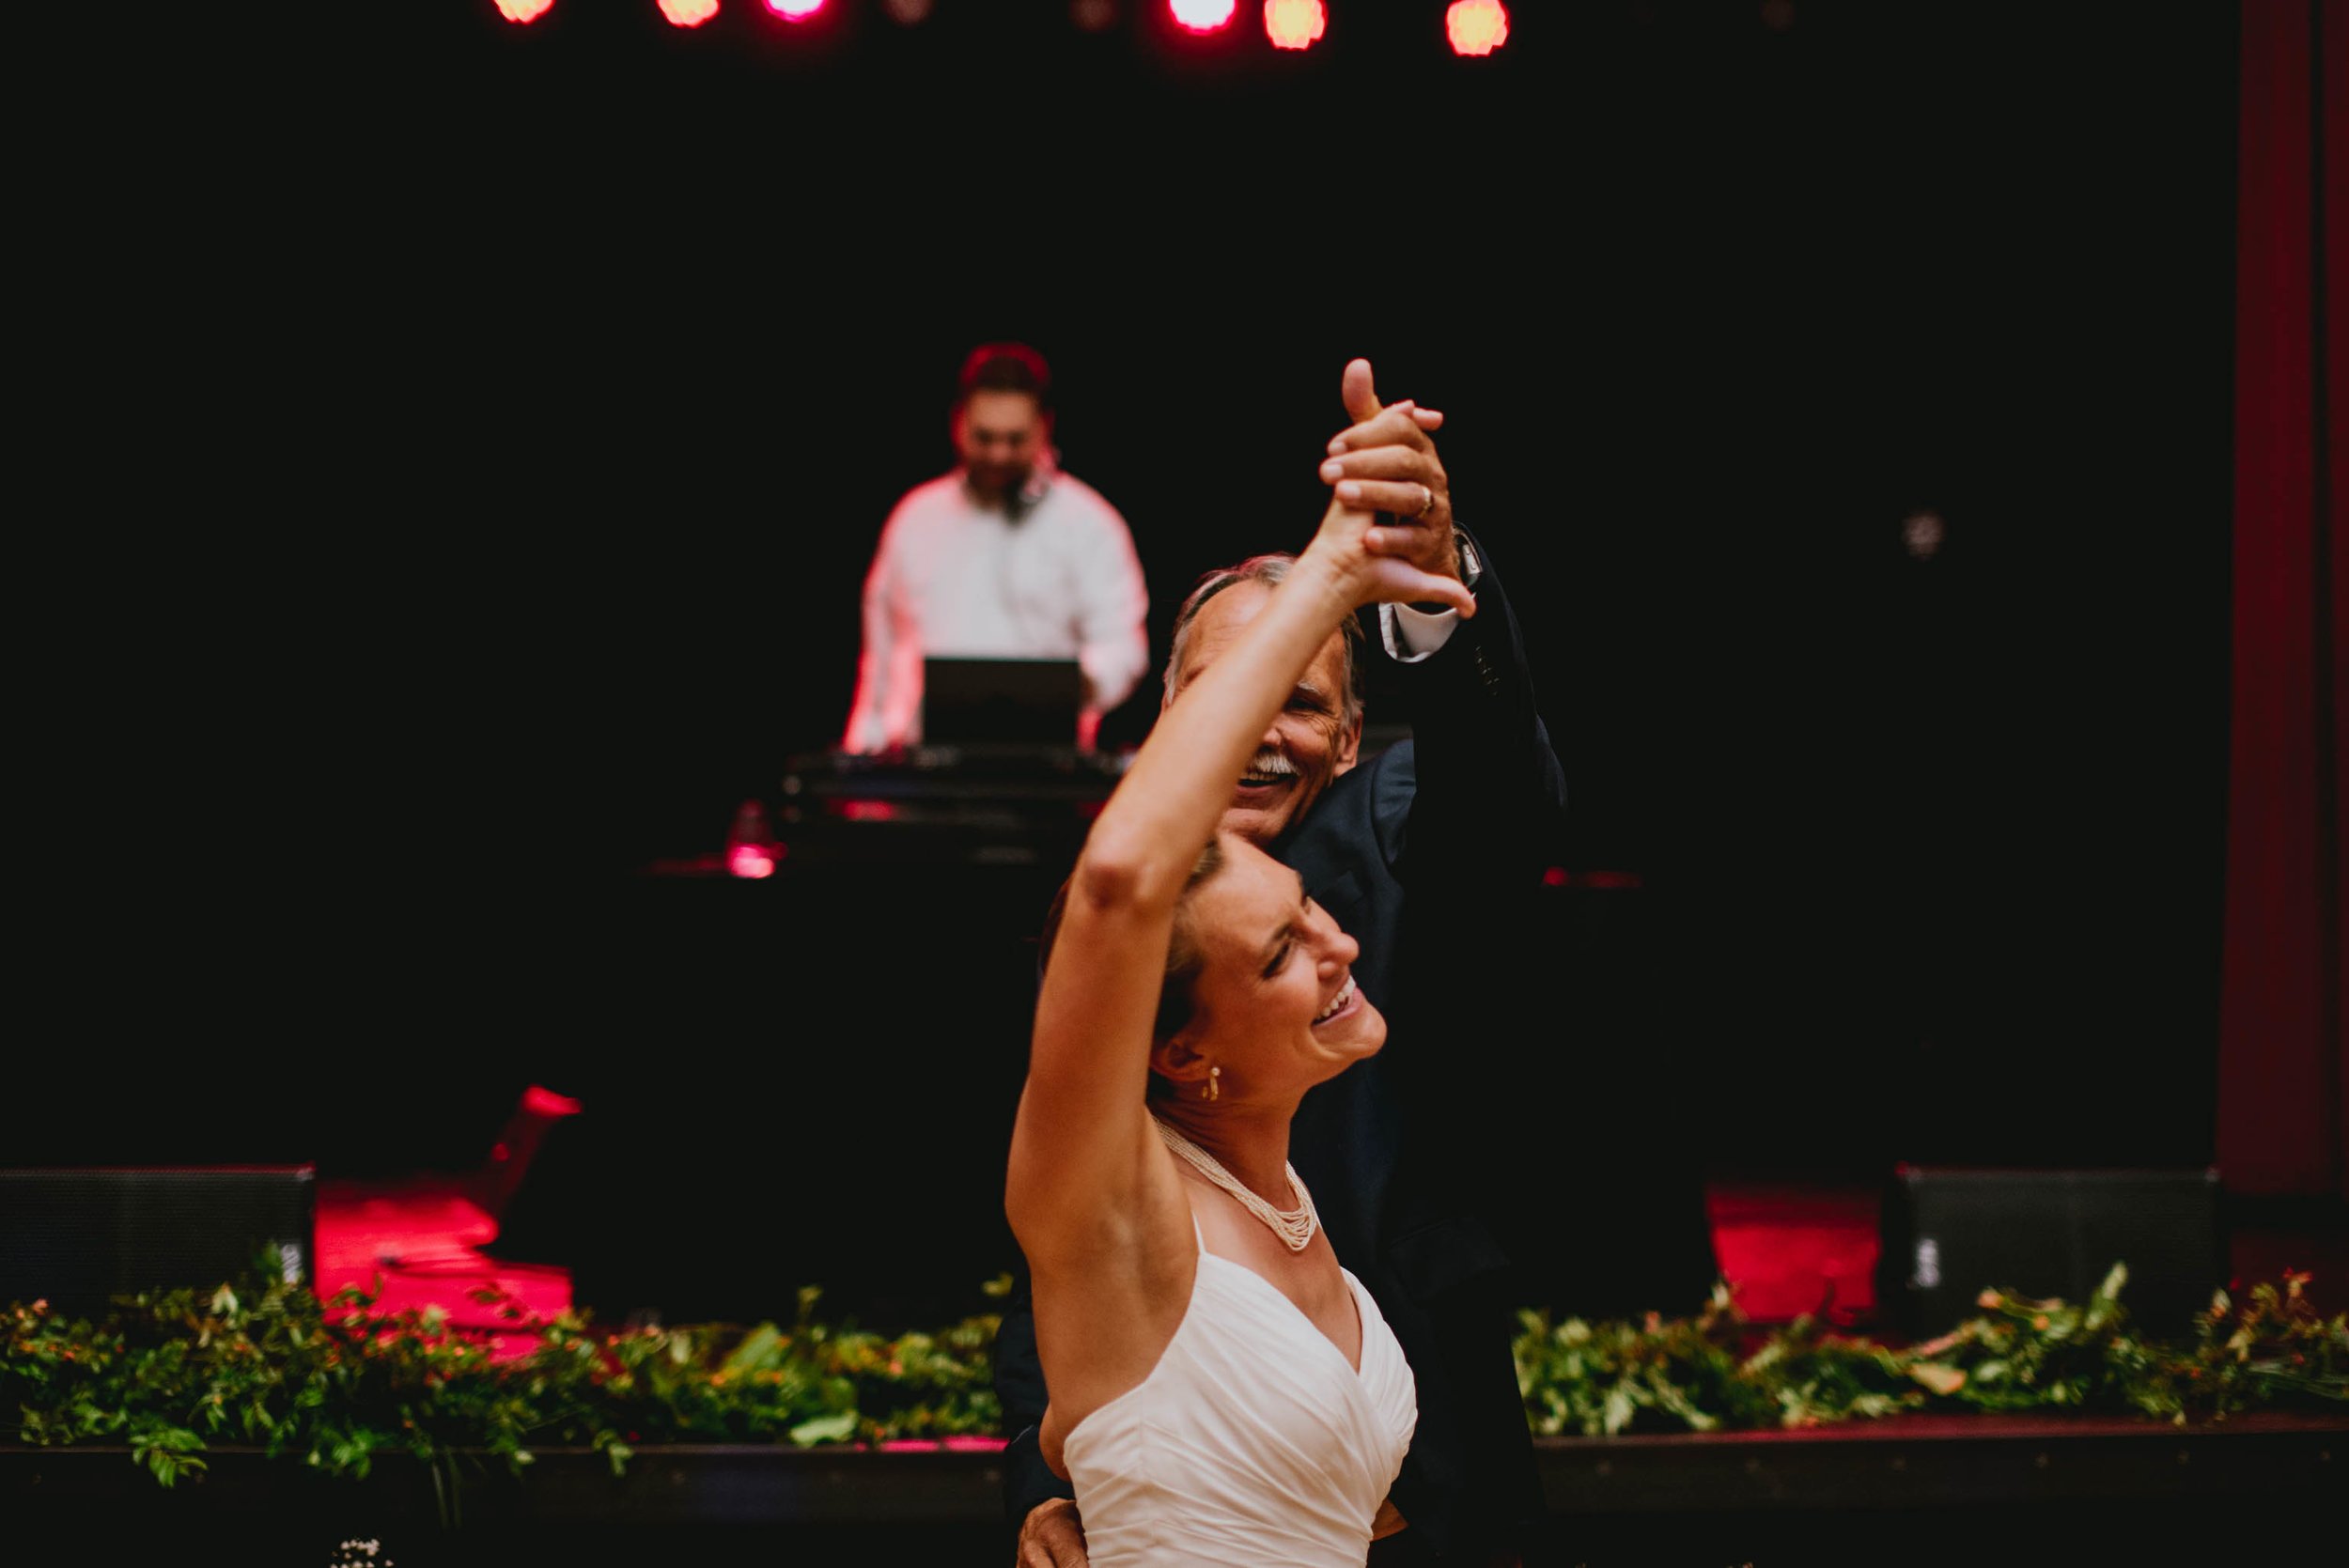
1084,1134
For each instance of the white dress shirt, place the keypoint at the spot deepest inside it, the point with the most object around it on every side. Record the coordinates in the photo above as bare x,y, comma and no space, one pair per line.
956,579
1411,635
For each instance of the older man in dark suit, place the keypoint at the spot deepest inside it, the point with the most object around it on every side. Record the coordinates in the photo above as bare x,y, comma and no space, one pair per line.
1410,853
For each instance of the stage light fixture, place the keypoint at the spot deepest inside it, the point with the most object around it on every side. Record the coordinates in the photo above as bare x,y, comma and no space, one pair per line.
523,11
688,13
751,861
1202,16
752,850
907,13
795,11
1293,23
1476,26
1093,16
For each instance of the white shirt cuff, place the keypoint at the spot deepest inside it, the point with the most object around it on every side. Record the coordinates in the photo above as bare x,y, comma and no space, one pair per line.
1411,635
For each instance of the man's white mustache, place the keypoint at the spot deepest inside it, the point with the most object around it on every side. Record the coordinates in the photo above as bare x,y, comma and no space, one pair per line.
1270,765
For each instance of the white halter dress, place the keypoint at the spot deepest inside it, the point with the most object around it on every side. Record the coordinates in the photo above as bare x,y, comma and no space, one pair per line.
1251,1443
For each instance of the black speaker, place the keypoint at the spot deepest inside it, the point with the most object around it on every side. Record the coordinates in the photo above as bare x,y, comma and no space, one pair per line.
1948,1234
77,1236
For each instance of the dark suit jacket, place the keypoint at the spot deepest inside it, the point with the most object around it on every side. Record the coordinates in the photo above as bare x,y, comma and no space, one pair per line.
1411,852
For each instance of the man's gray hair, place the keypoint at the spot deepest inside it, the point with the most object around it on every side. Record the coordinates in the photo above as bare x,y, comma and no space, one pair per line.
1268,570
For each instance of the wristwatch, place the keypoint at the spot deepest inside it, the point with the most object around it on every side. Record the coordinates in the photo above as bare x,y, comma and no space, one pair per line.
1471,570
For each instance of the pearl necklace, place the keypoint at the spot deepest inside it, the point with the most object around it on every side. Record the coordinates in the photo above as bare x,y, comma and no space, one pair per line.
1294,1227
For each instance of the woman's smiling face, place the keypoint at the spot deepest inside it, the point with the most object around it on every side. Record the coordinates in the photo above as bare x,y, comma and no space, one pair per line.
1276,1007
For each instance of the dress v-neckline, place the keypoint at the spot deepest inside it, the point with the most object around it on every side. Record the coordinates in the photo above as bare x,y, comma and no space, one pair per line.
1355,1370
1362,1324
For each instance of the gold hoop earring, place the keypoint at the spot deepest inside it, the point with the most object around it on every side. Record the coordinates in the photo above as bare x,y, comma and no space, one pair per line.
1214,1089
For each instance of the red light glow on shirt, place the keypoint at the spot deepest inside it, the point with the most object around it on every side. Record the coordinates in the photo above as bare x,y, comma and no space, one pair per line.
1476,26
1293,23
523,11
1202,16
688,13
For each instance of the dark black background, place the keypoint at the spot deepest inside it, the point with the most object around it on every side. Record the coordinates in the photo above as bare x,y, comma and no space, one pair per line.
562,394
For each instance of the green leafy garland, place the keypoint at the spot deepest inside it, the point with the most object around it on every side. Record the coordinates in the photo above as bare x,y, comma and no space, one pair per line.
334,1383
2019,1356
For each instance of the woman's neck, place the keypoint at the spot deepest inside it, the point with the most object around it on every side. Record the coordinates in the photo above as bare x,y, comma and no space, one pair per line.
1252,1144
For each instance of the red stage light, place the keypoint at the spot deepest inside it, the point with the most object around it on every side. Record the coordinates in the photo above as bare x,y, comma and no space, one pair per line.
1476,26
1293,23
1202,16
523,11
750,859
688,13
543,1102
795,11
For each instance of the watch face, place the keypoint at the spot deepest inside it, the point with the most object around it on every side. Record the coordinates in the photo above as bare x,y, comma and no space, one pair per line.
1471,570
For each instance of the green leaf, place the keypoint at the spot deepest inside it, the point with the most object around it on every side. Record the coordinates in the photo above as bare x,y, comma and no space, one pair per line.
756,1352
825,1429
1939,1376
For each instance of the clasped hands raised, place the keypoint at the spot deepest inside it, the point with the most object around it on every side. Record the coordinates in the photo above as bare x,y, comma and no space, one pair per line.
1388,532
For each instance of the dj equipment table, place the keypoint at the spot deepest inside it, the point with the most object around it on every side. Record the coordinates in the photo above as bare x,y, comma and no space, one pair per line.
1007,805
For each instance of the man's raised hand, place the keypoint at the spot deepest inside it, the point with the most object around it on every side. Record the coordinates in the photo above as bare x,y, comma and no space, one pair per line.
1385,462
1051,1536
1367,577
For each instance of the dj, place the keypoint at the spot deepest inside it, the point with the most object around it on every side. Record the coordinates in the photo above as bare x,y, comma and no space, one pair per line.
1007,557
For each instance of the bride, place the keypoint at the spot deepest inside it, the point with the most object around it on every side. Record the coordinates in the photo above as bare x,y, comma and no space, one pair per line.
1222,1390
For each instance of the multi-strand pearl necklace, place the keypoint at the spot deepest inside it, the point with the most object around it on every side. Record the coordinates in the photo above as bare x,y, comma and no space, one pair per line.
1294,1227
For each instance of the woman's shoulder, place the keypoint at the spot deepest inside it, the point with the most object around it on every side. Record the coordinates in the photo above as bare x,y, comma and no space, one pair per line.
1116,1296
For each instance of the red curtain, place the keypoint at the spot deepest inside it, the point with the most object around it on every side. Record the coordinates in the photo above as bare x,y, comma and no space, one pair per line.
2283,1096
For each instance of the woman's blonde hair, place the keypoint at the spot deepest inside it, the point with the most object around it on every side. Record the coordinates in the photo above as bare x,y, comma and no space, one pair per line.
1184,959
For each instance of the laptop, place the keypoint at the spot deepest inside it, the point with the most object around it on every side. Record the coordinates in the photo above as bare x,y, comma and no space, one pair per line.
1000,702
